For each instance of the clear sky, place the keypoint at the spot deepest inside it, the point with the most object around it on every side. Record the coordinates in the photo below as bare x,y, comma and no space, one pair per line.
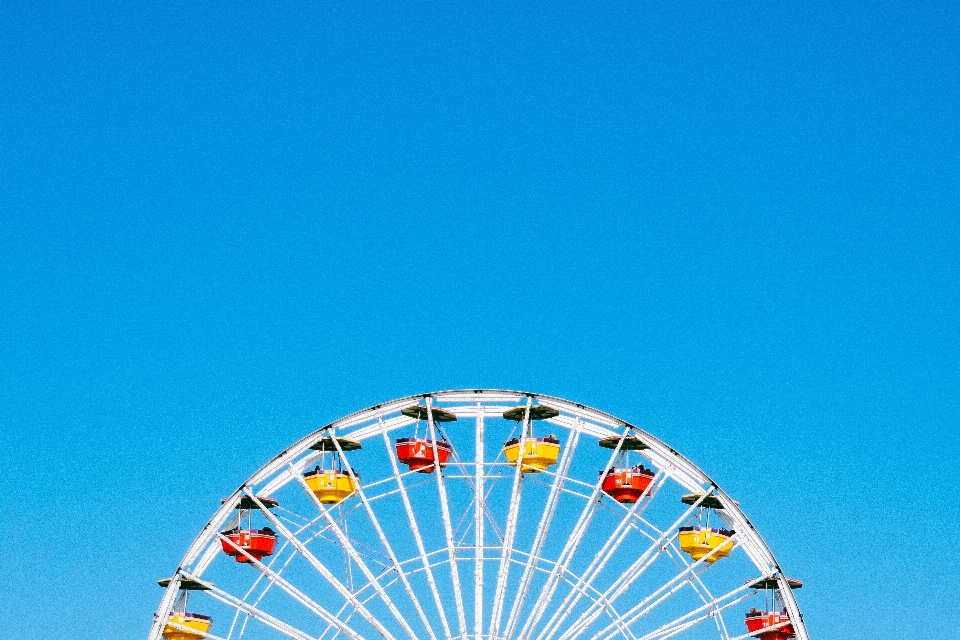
224,226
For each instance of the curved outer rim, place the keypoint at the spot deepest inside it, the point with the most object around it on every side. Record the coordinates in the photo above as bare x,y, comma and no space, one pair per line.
685,472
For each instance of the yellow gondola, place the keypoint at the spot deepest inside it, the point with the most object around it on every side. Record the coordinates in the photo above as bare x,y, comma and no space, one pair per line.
331,486
700,541
538,453
186,626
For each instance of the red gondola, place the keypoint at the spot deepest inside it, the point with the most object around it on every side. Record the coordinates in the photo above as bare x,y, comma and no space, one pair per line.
626,485
759,620
259,543
772,623
624,482
417,453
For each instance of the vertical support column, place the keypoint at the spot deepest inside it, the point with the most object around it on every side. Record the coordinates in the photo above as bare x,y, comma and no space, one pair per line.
415,529
447,526
507,551
480,472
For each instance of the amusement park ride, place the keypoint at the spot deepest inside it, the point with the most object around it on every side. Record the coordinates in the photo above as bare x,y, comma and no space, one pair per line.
443,526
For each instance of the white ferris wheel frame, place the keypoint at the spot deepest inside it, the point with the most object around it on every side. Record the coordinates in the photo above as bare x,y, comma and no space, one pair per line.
380,420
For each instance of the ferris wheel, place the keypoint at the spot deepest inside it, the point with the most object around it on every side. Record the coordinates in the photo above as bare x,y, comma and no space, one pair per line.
478,514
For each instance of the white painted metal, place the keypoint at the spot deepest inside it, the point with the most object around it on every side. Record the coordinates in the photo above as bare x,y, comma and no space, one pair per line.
321,569
254,612
652,600
578,536
690,619
478,524
542,528
295,593
599,561
352,552
481,476
504,571
415,529
626,579
447,527
375,522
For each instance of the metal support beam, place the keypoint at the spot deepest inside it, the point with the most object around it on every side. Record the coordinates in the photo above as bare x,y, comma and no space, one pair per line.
447,527
346,543
415,529
511,529
648,603
542,529
386,543
628,577
321,569
293,592
478,525
573,543
256,614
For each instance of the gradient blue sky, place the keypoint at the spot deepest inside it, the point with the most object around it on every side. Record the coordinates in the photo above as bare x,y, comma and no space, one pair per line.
223,226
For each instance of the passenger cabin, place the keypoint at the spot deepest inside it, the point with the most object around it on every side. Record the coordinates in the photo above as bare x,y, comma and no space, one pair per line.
242,542
626,485
773,623
180,624
778,624
332,485
700,543
537,453
335,484
624,482
417,453
257,543
187,626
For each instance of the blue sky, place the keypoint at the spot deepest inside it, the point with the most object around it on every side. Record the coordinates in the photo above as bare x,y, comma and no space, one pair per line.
221,227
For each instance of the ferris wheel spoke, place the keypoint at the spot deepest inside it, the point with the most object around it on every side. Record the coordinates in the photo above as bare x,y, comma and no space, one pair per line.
349,614
352,552
511,528
266,588
415,529
478,524
447,528
490,518
563,562
255,613
467,519
600,560
698,585
330,627
573,543
572,581
386,544
292,591
542,529
624,581
708,610
631,617
321,569
648,603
